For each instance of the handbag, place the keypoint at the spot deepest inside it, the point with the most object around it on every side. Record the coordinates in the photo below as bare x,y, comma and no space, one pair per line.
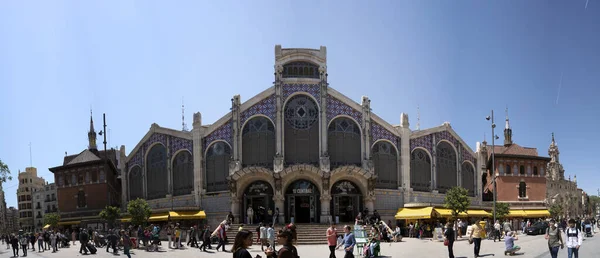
446,242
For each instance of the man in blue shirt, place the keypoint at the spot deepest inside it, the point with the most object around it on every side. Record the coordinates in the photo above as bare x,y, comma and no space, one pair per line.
349,242
509,242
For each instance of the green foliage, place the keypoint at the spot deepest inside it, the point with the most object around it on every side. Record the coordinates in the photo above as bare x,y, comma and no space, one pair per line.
457,200
556,210
51,219
4,173
502,209
139,210
110,214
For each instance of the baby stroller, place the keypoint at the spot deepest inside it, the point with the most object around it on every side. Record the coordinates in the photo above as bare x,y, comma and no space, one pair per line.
64,241
588,230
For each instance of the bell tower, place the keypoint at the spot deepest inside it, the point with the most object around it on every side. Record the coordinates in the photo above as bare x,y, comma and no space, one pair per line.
92,135
507,132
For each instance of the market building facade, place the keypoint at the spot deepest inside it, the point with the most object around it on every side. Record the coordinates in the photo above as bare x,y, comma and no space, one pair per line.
300,148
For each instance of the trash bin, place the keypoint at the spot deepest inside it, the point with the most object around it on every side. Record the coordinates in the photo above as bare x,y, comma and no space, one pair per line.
483,232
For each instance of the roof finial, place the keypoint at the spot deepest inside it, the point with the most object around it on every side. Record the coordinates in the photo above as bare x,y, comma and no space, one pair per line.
183,125
553,137
507,123
418,118
92,134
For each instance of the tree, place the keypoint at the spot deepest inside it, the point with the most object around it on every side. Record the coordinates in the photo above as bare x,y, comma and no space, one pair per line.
457,200
139,210
110,214
556,210
4,173
502,209
51,219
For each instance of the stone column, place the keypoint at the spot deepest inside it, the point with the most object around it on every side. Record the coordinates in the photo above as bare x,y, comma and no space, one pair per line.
459,158
279,151
169,169
235,120
366,129
433,163
197,135
325,208
323,111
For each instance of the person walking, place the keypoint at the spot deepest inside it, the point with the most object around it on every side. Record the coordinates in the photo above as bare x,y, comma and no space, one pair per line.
14,242
126,243
331,239
53,241
24,241
221,236
271,237
83,240
169,232
73,237
574,239
554,238
242,241
475,237
263,237
205,238
250,214
288,250
449,237
348,242
40,242
32,238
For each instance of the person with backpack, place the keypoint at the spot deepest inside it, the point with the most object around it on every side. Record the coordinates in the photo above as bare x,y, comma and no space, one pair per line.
24,241
554,238
574,239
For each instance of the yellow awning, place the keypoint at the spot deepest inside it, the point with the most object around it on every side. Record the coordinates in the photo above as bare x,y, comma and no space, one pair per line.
517,213
478,213
67,223
46,227
125,219
537,213
187,214
159,217
447,213
414,213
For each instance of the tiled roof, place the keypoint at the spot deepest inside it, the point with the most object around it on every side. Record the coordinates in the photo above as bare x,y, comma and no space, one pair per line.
84,156
514,149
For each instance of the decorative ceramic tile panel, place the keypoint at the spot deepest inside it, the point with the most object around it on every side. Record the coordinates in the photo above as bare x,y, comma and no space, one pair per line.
445,135
136,159
467,155
180,143
266,107
379,132
155,137
312,89
224,133
336,107
425,141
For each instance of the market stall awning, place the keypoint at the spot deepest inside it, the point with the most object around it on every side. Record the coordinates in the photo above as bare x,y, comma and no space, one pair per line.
414,213
68,223
478,213
46,227
187,215
537,213
447,213
517,213
125,219
159,217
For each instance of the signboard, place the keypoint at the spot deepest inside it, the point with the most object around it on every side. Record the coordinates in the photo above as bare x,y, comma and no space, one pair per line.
439,234
302,191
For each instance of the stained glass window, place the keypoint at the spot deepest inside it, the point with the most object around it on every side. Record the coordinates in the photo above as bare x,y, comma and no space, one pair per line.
468,177
183,174
217,166
135,183
420,171
344,187
385,162
300,70
258,143
156,165
446,167
301,112
344,143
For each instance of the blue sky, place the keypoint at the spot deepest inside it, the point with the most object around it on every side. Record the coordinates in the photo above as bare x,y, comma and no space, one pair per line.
456,60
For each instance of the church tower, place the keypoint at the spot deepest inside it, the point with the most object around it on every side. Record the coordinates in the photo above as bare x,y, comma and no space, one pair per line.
555,169
92,135
507,132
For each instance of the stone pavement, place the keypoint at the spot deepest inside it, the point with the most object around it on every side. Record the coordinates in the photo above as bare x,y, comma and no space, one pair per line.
532,247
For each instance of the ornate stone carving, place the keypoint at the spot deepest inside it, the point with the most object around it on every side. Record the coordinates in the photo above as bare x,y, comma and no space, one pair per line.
326,184
368,165
278,163
371,186
325,163
234,166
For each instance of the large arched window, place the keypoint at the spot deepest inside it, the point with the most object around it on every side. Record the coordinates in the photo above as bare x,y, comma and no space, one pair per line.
300,70
157,175
258,143
344,142
468,177
535,171
183,174
420,170
508,172
217,166
301,131
522,170
385,162
135,183
445,167
522,190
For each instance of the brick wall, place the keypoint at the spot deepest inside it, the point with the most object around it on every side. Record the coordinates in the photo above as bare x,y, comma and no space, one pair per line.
96,197
508,188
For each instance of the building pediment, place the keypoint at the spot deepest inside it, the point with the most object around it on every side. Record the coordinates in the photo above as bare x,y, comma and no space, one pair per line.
83,157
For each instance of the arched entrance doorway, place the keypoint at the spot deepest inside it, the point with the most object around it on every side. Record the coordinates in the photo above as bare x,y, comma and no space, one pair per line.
259,196
346,201
302,202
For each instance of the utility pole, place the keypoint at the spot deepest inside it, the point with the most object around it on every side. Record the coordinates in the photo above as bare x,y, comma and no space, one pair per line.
494,137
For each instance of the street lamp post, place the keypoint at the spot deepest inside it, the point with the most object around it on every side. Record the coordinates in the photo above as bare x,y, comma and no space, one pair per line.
494,137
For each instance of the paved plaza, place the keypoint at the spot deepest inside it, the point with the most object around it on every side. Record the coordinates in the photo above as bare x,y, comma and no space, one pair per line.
532,247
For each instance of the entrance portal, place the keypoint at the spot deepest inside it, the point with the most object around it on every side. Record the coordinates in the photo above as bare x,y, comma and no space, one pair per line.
302,202
259,196
346,201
